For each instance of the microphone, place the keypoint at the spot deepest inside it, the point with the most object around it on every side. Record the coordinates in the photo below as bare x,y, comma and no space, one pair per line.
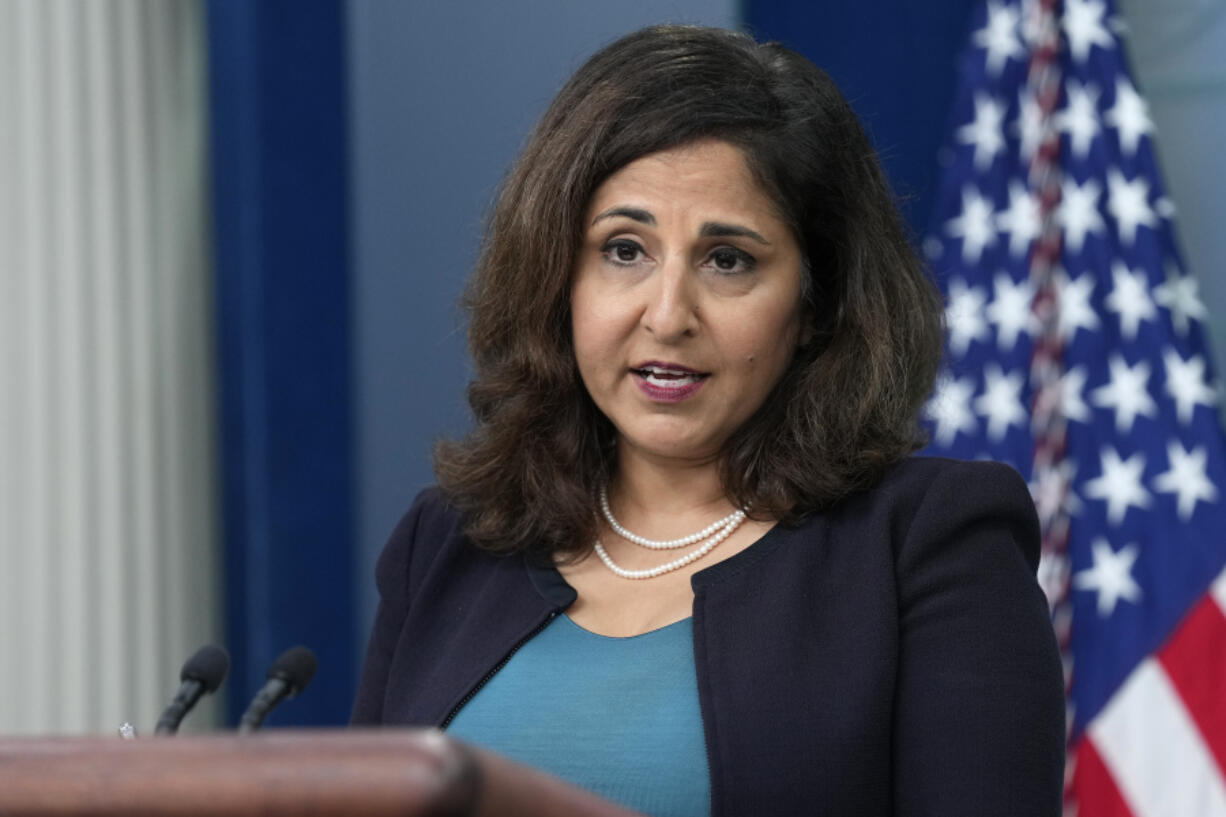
288,676
201,674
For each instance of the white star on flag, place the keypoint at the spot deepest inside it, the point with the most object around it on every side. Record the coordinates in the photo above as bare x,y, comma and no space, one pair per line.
1076,312
1126,393
1032,24
1084,28
1001,401
1079,117
1185,383
1110,577
1178,293
1119,484
1052,574
1072,407
1029,124
1078,212
1020,220
1053,491
1010,310
1128,201
965,316
1129,115
999,36
1186,478
984,132
950,409
974,225
1130,299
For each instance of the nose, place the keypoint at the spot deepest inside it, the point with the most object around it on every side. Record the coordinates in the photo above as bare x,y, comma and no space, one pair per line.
671,311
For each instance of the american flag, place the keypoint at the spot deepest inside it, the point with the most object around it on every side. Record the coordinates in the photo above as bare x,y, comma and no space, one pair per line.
1075,352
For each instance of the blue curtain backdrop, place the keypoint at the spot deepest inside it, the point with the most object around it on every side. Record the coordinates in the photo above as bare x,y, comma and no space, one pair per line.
277,108
894,60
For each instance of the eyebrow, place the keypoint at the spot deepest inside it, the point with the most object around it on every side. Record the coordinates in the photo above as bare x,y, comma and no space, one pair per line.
715,229
711,229
633,213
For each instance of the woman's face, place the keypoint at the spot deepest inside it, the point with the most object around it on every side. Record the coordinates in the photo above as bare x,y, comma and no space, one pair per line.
686,304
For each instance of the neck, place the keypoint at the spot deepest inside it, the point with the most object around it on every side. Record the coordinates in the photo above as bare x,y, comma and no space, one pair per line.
649,487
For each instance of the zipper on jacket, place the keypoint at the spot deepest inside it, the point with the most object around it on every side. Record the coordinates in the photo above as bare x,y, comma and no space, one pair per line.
486,678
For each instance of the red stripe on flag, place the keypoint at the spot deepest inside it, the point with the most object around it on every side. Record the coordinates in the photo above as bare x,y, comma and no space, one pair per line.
1094,789
1195,660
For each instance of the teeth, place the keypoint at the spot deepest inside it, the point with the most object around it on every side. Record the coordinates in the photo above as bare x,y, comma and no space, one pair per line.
669,379
665,372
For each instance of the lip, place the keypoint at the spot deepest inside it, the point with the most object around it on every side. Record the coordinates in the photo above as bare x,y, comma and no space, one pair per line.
668,393
672,367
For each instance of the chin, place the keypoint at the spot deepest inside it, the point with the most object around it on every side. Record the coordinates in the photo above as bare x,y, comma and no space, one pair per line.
672,447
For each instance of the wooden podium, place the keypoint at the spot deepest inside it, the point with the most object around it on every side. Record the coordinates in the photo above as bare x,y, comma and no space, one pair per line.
373,773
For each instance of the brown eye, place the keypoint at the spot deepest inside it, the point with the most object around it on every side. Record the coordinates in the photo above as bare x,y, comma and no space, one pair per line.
622,251
731,260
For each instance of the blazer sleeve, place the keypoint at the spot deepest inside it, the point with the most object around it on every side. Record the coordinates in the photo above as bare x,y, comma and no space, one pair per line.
979,715
392,581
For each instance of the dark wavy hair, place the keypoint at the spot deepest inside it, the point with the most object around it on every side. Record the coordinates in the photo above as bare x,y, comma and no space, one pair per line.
529,472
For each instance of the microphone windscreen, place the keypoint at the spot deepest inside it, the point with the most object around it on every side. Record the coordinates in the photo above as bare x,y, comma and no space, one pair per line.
296,666
208,666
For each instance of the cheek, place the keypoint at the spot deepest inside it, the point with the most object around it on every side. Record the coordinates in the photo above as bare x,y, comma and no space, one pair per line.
595,337
769,346
590,331
601,319
582,319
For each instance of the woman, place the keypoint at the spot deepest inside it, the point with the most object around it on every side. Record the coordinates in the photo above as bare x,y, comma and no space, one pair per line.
683,559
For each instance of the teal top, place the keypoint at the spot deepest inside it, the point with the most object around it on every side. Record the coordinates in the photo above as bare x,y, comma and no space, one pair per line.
616,716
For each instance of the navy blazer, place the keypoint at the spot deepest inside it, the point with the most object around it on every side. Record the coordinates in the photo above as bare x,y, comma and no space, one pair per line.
892,656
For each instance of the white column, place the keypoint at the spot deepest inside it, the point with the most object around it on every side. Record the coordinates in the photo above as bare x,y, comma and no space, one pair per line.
108,508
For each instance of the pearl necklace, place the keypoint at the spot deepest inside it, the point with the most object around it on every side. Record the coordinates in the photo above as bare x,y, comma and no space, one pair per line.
718,532
735,518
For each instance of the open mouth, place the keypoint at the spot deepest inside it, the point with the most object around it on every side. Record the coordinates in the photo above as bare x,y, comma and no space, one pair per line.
668,377
668,382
